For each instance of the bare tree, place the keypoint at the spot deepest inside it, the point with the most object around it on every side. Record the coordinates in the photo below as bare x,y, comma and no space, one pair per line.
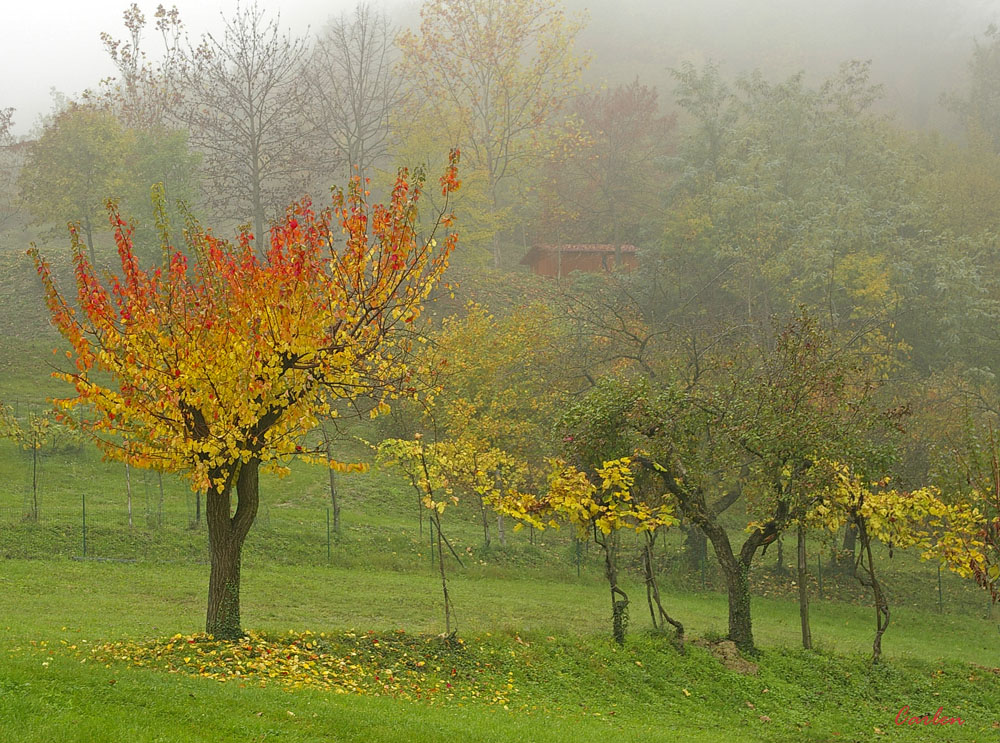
143,95
354,88
243,107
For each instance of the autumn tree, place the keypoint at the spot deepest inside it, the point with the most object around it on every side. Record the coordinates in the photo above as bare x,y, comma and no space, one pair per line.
978,555
491,74
899,520
216,367
428,470
242,105
354,88
748,431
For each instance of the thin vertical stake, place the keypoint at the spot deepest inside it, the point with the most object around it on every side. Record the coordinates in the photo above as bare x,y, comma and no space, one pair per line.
84,498
327,536
940,594
819,573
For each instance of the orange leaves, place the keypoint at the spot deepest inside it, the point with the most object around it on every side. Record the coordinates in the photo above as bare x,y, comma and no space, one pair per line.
231,356
450,181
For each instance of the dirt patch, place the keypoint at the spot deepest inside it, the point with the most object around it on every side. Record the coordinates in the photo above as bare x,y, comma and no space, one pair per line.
728,654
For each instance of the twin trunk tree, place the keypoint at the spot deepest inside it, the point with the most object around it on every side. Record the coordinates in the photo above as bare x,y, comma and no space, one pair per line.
693,505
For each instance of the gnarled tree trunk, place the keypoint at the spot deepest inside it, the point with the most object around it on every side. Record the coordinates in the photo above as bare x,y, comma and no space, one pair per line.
226,534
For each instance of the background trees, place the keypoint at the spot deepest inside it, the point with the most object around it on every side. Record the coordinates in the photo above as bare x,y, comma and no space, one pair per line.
12,156
354,90
242,104
809,271
77,163
492,73
609,176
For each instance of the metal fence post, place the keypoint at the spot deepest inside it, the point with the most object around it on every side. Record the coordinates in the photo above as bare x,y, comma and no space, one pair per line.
327,536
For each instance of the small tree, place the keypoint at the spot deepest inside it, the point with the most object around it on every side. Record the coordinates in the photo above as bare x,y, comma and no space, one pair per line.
898,519
423,467
35,435
599,511
217,368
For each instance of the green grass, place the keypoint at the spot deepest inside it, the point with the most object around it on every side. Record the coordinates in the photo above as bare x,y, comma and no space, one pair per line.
570,681
522,606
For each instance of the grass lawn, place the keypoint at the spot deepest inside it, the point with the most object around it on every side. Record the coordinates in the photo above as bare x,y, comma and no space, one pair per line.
571,682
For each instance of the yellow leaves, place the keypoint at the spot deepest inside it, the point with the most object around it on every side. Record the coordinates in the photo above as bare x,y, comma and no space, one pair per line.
572,496
392,664
192,358
919,518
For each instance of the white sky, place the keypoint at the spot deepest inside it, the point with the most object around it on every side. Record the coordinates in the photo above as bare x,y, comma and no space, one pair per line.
56,43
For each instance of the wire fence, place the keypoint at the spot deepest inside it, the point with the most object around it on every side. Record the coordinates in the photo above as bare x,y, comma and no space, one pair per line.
65,503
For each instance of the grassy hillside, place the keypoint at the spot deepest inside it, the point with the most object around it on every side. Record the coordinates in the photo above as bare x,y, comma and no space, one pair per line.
536,662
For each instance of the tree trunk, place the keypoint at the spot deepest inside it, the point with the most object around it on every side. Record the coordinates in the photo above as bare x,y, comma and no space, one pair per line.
738,588
656,610
496,208
334,501
695,547
159,509
779,565
448,608
34,477
89,229
619,599
848,550
803,591
501,532
128,489
226,535
869,580
486,524
737,575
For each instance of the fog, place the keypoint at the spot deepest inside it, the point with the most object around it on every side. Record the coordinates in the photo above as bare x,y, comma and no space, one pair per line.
919,49
720,271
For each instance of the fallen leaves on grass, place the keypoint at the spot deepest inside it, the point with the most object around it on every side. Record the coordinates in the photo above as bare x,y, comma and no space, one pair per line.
409,667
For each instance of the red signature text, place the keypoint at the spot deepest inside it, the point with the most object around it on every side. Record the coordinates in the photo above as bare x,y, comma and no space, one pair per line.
906,717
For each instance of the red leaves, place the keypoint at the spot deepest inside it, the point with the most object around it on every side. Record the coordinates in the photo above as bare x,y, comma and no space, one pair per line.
196,354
